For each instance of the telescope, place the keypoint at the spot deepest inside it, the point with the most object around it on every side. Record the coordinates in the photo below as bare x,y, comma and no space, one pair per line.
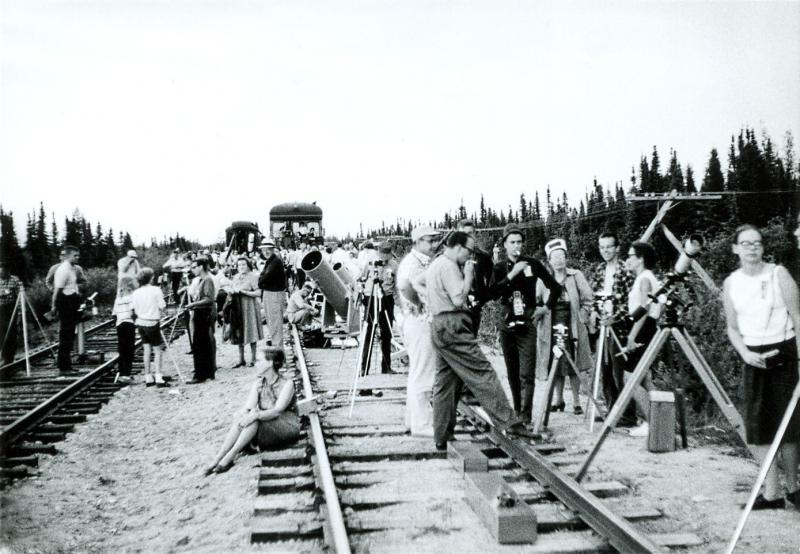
691,248
338,295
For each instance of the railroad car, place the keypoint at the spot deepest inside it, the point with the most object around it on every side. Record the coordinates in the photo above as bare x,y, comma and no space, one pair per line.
242,237
293,221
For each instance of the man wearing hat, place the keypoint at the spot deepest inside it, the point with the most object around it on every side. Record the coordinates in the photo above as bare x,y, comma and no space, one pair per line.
272,281
129,265
176,266
416,330
514,283
378,278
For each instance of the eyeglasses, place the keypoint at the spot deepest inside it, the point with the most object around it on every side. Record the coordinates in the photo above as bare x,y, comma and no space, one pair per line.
751,244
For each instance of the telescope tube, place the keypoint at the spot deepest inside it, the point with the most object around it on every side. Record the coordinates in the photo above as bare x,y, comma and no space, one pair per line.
341,271
335,291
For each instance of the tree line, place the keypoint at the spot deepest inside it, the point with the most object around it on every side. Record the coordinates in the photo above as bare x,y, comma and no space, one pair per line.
43,240
761,185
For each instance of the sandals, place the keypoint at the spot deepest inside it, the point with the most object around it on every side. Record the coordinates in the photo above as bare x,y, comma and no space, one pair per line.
222,469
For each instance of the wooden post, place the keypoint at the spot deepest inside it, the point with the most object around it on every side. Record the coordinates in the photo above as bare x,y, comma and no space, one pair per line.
662,422
506,516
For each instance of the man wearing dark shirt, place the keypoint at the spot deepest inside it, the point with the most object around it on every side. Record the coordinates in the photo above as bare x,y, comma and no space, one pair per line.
273,282
483,274
514,283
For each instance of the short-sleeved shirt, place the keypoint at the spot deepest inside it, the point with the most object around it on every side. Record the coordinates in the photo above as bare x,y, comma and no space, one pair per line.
444,280
66,278
412,265
147,303
296,303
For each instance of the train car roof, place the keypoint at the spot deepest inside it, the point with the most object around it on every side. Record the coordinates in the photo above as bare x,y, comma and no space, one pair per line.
296,211
248,225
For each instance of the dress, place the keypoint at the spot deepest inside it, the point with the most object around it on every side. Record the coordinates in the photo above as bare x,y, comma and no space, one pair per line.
283,430
249,308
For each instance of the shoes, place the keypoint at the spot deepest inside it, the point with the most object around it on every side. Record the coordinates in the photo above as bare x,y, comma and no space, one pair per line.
223,469
558,407
209,470
195,381
160,381
519,430
578,410
762,503
240,364
250,364
149,381
641,431
626,423
441,446
794,498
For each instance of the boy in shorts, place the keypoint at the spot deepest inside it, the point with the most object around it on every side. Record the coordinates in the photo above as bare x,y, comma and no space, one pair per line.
148,307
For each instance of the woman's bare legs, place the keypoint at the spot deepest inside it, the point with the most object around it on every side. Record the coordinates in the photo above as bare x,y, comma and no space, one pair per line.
243,440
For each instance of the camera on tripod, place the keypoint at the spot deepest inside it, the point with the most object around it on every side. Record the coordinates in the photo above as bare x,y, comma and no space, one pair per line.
604,305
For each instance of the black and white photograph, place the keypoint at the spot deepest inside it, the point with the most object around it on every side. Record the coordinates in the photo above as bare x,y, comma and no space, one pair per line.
375,276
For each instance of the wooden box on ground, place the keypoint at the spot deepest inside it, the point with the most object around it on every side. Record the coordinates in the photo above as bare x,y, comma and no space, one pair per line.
505,515
662,422
466,457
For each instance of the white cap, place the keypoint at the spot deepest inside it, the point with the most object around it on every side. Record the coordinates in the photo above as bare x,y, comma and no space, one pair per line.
132,254
425,231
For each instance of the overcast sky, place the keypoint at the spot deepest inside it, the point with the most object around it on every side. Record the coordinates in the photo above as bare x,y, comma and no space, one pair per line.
164,117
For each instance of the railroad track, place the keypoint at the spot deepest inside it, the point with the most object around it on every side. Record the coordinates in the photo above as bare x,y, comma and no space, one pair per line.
353,484
38,411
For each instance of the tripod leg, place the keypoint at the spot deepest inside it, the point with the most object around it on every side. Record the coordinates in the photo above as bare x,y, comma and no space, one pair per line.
598,369
362,344
709,379
584,383
625,397
171,357
762,474
543,414
21,302
41,328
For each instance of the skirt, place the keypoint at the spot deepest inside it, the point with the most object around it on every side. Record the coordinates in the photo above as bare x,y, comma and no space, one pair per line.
767,393
278,432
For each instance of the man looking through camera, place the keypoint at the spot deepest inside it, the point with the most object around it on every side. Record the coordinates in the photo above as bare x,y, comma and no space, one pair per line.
379,277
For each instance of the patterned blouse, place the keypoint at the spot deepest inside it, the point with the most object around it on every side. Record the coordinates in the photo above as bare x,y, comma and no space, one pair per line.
623,281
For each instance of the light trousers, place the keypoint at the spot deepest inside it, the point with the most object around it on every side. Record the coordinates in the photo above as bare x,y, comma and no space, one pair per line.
421,370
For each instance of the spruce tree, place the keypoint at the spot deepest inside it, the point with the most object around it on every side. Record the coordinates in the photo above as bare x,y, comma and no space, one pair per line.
10,250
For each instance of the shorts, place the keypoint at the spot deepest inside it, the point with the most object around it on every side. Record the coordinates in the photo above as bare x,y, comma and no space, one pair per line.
151,335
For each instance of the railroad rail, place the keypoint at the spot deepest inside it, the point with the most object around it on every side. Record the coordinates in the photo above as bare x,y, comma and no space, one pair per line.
352,479
38,411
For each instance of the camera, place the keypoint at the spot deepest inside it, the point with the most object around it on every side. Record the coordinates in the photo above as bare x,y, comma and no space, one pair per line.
378,263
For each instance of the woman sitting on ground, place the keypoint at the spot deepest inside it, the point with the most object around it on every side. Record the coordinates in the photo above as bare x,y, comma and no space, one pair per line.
268,418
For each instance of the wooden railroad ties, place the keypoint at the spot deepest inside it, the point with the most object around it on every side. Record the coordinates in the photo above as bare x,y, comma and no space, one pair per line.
39,411
394,487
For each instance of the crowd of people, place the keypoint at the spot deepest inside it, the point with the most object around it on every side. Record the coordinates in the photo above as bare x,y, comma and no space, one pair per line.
550,315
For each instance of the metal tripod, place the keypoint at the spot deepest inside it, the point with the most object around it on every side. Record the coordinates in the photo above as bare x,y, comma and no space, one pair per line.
23,304
670,329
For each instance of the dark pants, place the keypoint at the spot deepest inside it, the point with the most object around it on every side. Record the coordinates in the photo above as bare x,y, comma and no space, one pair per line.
460,358
126,339
300,277
68,317
385,321
613,369
519,351
203,347
175,279
9,327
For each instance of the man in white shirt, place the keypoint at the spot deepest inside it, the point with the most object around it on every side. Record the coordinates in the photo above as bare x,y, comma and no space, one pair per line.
338,255
416,330
66,301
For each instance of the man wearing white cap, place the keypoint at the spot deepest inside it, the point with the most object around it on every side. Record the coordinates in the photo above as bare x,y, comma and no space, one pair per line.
416,329
129,265
272,281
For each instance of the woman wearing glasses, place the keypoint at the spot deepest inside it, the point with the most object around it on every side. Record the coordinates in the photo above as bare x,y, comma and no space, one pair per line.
641,261
763,314
203,347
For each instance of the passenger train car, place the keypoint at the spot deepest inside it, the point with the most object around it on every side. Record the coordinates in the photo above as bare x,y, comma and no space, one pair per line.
294,221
